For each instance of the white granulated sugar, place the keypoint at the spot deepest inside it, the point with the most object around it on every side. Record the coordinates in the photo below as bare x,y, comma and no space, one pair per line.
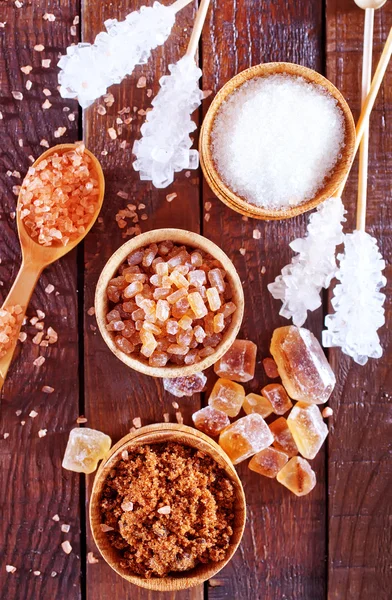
276,139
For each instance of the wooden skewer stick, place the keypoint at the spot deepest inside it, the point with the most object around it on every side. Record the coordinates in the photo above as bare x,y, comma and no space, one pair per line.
197,28
179,5
369,101
370,6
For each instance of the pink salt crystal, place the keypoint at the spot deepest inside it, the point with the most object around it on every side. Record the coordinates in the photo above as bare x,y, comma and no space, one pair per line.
268,462
210,420
270,368
227,397
185,386
276,394
245,437
298,476
238,364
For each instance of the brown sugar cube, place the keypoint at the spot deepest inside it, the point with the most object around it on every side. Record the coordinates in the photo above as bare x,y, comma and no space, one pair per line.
276,394
245,437
238,364
227,396
283,440
268,462
298,476
210,420
254,403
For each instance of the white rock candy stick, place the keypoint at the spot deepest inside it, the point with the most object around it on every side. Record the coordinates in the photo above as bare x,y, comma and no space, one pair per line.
357,301
300,282
165,146
87,70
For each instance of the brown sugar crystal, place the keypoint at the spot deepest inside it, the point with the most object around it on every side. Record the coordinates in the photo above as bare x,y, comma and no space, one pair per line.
161,307
182,509
59,197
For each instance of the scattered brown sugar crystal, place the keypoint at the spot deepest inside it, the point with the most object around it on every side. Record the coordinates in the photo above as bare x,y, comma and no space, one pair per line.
10,320
298,476
268,462
283,440
276,394
270,368
227,397
162,307
210,420
59,197
182,510
254,403
238,364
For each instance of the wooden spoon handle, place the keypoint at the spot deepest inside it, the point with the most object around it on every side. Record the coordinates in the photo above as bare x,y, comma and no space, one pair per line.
20,293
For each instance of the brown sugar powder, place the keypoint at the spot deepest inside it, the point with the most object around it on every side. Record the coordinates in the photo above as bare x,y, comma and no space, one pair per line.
182,509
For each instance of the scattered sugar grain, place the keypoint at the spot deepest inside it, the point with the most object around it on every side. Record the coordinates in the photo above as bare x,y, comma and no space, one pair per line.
29,85
127,506
66,546
91,311
112,133
327,412
46,63
124,455
166,417
44,143
39,47
42,433
81,419
17,95
73,30
33,414
175,405
47,389
55,518
141,82
36,573
53,574
23,423
137,422
65,528
38,362
22,336
26,69
18,412
49,17
105,528
10,568
49,288
6,435
179,418
18,4
91,559
60,132
301,121
171,197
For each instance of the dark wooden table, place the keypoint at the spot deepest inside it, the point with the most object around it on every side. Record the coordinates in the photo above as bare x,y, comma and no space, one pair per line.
336,541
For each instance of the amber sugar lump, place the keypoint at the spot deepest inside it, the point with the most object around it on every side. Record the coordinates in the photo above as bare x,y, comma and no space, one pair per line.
254,403
227,396
283,439
307,428
245,437
238,364
211,421
276,394
169,304
84,449
298,476
302,365
268,462
185,386
59,197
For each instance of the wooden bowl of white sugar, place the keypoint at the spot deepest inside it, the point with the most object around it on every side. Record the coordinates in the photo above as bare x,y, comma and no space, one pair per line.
277,140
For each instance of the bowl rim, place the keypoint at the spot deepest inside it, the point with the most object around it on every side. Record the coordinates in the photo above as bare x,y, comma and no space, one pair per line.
186,238
238,203
160,433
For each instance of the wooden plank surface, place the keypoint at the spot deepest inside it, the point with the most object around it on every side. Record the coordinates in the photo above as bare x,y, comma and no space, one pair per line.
359,472
336,542
34,488
111,388
283,551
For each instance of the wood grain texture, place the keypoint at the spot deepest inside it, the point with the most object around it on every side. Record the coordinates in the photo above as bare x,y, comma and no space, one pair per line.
114,394
34,487
283,551
360,474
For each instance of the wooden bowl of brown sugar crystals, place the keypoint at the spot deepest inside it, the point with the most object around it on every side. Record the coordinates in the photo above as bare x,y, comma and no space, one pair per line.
167,510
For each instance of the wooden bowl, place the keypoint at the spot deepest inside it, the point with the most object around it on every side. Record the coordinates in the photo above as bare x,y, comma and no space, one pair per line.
239,203
182,237
153,434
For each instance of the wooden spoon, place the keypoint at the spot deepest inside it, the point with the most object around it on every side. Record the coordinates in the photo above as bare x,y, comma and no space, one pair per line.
36,257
